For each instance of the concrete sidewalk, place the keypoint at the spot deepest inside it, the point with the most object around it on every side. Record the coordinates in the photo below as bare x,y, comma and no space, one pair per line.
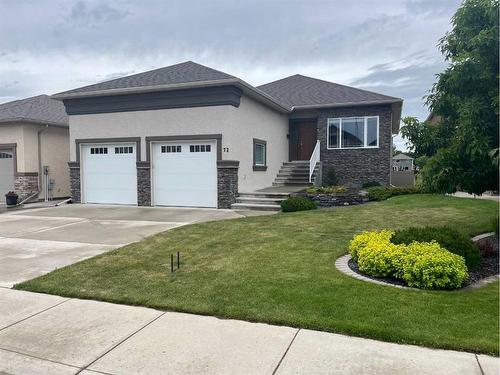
43,334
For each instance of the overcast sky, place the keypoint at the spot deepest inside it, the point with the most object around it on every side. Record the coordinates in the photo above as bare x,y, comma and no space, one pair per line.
387,46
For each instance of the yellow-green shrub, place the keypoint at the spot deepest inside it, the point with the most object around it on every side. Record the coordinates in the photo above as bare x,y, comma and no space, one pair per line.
381,259
429,266
360,241
421,264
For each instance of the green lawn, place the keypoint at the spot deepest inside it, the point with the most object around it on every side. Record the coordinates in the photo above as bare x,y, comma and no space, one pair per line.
280,269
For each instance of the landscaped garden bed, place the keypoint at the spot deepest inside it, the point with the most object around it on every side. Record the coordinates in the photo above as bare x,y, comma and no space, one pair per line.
423,257
334,196
278,269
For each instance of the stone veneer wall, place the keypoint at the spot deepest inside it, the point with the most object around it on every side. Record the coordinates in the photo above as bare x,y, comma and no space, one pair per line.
25,184
227,182
354,167
143,183
74,181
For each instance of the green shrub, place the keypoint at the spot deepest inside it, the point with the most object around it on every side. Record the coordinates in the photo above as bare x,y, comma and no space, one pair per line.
330,177
448,238
424,265
370,184
361,240
297,204
381,259
326,189
429,266
495,225
381,193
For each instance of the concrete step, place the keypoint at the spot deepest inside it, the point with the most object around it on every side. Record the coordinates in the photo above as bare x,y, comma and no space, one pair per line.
259,207
253,200
294,173
280,183
258,194
292,179
297,162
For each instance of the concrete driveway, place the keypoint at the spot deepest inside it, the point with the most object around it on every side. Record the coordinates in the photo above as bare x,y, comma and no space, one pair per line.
36,241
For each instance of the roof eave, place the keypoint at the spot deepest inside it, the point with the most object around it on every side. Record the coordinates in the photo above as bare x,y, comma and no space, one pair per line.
247,88
396,105
17,120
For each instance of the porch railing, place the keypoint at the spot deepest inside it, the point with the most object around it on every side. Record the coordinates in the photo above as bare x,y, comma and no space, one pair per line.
314,160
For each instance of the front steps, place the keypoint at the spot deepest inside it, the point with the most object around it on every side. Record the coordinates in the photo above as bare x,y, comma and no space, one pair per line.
259,201
293,173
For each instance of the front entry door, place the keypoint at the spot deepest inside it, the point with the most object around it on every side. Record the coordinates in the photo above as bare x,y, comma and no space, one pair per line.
303,137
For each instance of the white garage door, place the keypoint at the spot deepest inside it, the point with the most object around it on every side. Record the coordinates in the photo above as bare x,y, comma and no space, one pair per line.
185,174
109,173
6,173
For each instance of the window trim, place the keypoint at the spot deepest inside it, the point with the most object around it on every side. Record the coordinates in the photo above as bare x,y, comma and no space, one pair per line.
365,133
259,167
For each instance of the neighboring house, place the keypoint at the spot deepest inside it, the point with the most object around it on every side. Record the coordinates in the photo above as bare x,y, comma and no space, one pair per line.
189,135
34,134
402,162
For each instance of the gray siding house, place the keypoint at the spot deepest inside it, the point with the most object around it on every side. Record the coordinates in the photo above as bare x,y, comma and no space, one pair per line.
189,135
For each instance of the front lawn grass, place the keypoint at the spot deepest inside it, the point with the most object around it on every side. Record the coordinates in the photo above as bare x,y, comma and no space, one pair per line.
280,269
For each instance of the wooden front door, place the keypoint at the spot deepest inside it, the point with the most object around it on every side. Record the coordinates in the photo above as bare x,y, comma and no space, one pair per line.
303,138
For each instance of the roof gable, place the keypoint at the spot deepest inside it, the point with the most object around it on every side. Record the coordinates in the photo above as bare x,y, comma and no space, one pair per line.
299,90
38,109
186,72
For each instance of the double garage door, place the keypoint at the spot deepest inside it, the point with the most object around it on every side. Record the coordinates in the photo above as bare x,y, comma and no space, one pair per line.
182,173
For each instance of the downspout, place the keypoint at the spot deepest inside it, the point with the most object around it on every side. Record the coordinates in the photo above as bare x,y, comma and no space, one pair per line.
40,171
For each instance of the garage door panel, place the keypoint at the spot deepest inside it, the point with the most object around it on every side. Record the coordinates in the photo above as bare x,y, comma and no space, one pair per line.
109,177
6,173
183,177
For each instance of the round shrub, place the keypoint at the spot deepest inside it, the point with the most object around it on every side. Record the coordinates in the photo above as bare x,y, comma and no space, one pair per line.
448,238
429,266
361,240
424,265
381,260
297,204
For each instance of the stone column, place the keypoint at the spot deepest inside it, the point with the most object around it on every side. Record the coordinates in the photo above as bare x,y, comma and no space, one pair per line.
227,182
74,181
143,183
26,184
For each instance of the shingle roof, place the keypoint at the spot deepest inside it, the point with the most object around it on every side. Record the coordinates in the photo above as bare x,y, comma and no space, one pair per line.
186,72
39,109
299,90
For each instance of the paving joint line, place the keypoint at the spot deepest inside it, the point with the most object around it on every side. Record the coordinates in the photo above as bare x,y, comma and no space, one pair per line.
286,351
40,358
86,367
35,314
479,364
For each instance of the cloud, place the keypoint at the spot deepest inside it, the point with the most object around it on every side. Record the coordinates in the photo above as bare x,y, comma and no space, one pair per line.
382,45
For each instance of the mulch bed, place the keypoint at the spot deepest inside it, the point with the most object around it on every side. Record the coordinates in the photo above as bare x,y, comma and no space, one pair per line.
489,266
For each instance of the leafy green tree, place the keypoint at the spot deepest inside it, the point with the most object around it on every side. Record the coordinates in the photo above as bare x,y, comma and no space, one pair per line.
466,97
424,138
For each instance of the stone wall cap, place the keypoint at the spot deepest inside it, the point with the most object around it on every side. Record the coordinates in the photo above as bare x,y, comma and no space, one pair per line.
228,163
74,164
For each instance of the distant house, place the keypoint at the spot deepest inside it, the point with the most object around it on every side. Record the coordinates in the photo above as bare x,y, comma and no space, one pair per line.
34,148
402,162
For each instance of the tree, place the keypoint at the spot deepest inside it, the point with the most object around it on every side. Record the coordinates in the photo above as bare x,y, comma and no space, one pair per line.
466,97
424,138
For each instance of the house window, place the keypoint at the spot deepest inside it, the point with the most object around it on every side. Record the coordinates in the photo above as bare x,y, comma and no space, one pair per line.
170,149
124,150
98,150
353,132
200,148
259,155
